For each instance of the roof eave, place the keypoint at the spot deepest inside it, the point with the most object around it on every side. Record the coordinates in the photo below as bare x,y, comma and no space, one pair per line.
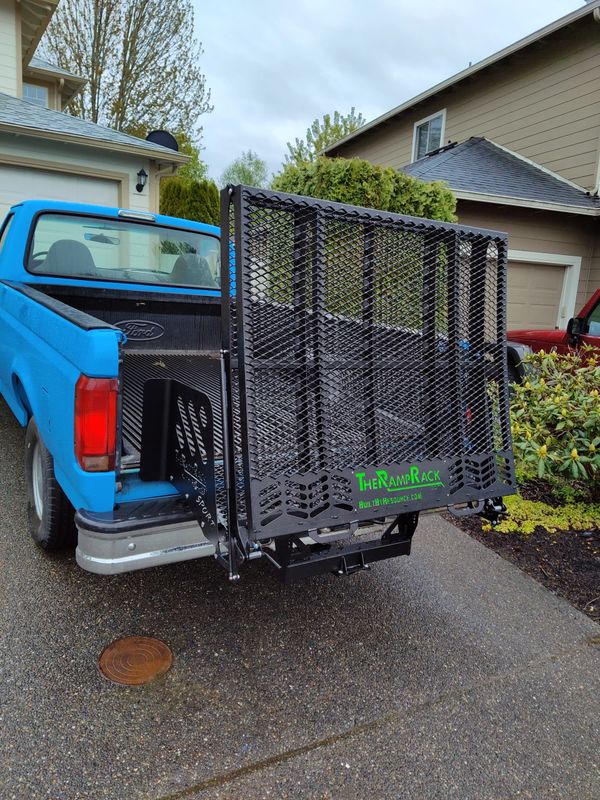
562,22
68,92
521,202
49,74
35,16
167,156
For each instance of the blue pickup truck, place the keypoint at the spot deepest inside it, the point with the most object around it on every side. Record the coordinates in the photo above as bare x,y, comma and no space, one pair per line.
93,301
167,419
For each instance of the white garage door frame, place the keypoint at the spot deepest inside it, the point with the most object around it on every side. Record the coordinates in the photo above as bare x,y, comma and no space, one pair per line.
121,178
572,270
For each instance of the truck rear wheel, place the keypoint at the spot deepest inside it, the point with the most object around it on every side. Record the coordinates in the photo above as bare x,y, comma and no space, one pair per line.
49,513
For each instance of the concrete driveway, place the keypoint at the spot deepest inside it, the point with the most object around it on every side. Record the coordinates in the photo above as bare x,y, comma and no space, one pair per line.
448,674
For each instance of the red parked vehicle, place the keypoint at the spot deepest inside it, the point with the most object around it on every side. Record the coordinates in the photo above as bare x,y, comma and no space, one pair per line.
582,329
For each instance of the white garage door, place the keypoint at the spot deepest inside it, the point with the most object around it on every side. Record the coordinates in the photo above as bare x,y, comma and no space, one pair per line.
26,183
534,292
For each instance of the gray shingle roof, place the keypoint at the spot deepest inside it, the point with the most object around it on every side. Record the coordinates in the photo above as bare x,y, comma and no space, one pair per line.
40,63
19,113
480,166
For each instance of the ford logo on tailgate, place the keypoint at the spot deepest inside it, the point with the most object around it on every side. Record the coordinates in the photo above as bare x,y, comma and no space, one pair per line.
141,330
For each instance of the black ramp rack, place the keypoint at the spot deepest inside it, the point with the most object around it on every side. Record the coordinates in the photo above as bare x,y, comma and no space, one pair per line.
366,363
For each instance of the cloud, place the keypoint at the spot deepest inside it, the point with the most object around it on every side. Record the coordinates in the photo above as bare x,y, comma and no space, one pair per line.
275,65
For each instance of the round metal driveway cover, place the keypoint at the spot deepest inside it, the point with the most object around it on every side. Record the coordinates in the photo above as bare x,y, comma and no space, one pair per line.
134,660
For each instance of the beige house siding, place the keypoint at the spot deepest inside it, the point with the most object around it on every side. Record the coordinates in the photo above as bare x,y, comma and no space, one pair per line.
544,232
10,49
70,159
544,103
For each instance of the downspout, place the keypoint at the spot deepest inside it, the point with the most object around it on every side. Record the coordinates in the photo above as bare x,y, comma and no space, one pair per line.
165,172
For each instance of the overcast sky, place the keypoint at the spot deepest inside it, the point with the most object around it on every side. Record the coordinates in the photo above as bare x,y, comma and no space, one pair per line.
275,65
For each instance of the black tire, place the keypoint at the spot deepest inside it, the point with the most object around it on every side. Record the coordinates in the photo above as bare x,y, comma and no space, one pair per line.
55,528
513,377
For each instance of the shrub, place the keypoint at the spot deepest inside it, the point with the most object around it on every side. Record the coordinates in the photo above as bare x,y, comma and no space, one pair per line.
190,199
360,183
524,516
555,417
172,197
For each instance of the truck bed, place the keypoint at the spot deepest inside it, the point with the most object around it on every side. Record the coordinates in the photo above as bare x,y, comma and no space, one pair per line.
141,366
190,326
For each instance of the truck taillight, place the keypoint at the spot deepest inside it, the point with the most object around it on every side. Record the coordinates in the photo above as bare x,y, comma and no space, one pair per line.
96,423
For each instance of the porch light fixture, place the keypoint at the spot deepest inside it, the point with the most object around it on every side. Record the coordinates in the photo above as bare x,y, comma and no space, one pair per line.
142,177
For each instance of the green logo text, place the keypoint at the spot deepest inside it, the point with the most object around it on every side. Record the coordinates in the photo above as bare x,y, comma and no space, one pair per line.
415,478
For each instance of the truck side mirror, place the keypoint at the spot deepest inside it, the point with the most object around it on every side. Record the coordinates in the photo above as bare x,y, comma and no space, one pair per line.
574,326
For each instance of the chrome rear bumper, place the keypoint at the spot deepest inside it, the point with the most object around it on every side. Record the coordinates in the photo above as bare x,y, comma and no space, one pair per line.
109,548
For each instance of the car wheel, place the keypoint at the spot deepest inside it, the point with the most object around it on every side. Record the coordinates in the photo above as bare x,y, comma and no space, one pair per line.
513,377
50,515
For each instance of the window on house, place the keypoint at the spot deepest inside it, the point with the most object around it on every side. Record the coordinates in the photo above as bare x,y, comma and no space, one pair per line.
38,95
428,135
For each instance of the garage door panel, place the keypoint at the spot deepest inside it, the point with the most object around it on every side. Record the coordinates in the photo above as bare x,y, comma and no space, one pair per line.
534,292
26,183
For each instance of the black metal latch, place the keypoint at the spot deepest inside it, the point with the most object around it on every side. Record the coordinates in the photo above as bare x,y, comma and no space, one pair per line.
494,511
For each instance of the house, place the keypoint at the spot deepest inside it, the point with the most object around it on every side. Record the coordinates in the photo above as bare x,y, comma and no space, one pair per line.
517,137
48,154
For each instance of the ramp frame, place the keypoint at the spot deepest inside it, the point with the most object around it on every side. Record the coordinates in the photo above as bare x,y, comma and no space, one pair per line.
365,364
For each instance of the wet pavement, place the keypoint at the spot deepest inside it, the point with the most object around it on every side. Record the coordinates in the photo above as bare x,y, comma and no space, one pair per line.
448,674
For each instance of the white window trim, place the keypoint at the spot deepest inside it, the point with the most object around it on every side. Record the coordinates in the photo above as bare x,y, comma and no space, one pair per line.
572,265
426,119
46,98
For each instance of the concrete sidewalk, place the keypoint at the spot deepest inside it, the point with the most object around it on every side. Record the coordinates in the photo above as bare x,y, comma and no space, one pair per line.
448,674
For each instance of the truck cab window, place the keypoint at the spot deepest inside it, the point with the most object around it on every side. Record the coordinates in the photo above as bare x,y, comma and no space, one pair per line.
593,321
4,230
100,248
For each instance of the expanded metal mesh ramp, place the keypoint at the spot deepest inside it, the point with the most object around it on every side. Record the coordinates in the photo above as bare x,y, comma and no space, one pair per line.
367,363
